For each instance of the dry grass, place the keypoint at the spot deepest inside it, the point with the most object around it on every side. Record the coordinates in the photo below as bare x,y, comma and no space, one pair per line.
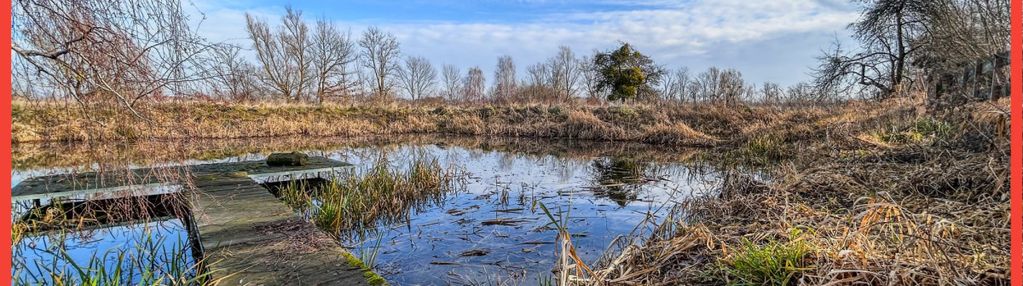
879,193
929,209
682,125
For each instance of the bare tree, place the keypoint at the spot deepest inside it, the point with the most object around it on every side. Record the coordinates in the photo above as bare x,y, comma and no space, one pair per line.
271,55
676,85
233,77
332,52
452,81
295,37
732,87
720,85
540,82
803,93
590,77
380,52
565,71
504,78
770,92
364,84
95,50
539,74
667,87
706,84
474,85
418,77
958,30
284,55
683,84
888,32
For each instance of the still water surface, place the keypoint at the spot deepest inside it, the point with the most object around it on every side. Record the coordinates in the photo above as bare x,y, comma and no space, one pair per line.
490,230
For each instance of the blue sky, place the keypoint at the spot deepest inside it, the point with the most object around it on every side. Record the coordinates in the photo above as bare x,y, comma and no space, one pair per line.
775,40
410,11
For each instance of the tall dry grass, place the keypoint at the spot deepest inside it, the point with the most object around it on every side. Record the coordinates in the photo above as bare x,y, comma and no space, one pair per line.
681,125
878,197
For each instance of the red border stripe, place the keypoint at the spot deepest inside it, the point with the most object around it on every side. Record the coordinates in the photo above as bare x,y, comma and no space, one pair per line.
1016,165
1016,109
5,143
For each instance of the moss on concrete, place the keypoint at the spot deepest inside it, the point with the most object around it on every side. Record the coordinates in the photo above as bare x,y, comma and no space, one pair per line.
372,277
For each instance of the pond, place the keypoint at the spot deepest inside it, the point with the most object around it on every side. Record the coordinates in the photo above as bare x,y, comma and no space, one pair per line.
491,229
135,240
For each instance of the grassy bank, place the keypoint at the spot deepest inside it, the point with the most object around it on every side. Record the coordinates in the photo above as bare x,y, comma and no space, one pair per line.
675,125
27,156
898,199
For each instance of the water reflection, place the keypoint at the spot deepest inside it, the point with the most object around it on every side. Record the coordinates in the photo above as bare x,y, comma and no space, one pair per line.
619,178
143,238
489,230
493,228
132,253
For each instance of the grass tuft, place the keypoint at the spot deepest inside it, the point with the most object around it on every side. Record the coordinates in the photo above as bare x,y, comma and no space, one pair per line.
773,263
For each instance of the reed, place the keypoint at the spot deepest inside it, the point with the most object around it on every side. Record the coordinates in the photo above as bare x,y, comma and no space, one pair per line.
357,200
148,260
924,207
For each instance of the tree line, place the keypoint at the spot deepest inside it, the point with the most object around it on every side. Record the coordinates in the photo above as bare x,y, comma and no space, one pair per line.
329,63
134,50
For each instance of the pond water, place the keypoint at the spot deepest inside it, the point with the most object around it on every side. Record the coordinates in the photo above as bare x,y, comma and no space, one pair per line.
161,246
493,228
489,230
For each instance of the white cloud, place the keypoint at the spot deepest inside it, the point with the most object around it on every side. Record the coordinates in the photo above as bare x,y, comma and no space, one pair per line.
697,34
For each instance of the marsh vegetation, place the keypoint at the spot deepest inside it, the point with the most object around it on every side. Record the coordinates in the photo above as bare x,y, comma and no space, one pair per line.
141,240
606,168
352,200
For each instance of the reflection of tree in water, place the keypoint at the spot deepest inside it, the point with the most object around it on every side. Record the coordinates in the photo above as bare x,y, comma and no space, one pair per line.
619,178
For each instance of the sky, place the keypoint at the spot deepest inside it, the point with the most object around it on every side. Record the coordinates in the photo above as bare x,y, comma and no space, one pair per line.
770,40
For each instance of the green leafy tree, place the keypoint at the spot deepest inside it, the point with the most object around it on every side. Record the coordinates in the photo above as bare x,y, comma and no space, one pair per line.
626,73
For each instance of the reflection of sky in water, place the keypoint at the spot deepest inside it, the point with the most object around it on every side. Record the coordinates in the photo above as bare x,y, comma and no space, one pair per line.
36,256
501,185
428,250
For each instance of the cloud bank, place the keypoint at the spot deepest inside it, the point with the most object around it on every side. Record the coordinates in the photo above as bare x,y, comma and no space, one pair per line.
766,40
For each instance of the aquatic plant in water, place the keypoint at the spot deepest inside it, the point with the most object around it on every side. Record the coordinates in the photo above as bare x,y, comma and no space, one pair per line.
149,260
352,200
